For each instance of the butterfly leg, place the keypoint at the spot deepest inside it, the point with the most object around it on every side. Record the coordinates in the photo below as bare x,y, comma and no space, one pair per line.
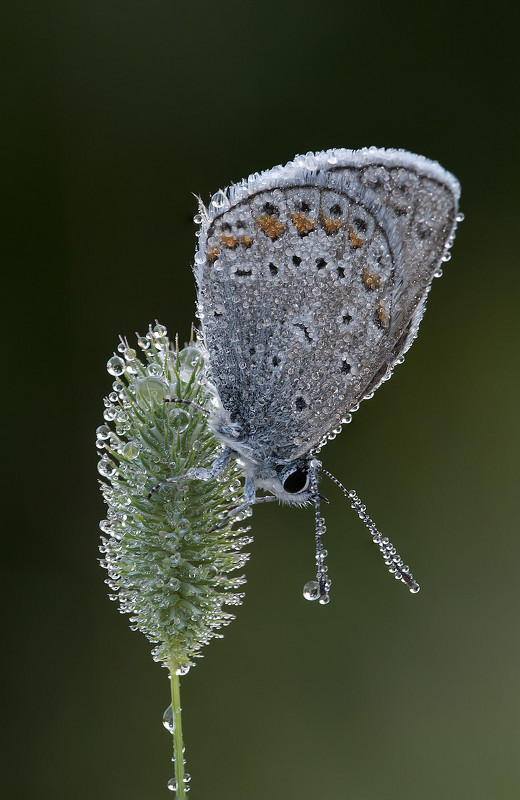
269,498
216,469
250,499
199,473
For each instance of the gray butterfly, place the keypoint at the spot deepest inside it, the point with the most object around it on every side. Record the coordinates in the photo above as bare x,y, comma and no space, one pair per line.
312,281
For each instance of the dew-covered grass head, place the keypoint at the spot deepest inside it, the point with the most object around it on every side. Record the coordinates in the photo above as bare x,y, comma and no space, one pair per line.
170,555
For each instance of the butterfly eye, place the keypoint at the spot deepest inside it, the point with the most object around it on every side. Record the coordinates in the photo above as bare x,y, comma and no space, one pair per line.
296,481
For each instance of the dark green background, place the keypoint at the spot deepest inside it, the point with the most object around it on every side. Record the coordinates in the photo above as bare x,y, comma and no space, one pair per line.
114,113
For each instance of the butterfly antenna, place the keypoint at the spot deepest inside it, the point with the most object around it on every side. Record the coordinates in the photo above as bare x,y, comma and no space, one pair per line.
318,589
392,559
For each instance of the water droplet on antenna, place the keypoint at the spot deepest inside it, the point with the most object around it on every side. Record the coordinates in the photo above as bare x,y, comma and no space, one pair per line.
311,590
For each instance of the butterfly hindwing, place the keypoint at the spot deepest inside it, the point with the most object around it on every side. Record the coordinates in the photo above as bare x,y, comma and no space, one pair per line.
312,283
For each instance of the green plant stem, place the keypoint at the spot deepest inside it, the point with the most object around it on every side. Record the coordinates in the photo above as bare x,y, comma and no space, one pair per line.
178,746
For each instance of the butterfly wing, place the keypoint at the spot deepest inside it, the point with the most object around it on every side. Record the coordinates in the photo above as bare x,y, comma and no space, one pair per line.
312,280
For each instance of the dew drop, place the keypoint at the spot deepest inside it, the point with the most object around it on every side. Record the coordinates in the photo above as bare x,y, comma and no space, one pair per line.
103,432
150,389
131,450
324,599
189,356
172,785
168,720
460,217
154,369
219,199
143,342
115,366
159,331
106,467
311,590
182,670
179,418
415,588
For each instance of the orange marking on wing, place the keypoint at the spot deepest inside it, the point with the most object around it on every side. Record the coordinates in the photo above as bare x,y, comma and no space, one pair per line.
229,241
330,224
370,280
355,240
246,241
269,225
302,223
382,313
212,254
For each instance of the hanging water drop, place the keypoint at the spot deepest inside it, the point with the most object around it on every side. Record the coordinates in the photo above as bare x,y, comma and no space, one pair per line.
219,199
131,450
115,366
159,331
150,389
189,356
168,720
106,467
311,590
129,354
154,369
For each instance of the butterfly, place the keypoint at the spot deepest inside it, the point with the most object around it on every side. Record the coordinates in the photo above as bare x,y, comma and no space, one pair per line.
312,280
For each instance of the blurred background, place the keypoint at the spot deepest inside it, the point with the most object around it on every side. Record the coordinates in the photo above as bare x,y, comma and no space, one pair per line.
114,114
